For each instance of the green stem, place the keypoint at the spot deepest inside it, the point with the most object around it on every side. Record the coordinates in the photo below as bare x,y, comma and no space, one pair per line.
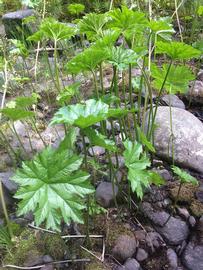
5,210
158,100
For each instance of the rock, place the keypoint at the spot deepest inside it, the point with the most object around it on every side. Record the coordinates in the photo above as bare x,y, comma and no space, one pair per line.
183,212
173,100
165,174
192,221
200,75
192,257
13,23
141,255
121,161
175,231
104,194
47,259
8,184
154,241
188,137
196,92
33,258
96,150
172,259
130,264
199,193
125,247
9,188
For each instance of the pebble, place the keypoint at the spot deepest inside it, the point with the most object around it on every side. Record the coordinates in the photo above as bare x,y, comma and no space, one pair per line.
141,255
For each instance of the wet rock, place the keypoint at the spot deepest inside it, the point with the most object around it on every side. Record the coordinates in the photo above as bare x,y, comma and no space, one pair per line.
192,257
175,231
141,255
172,259
196,92
188,137
173,100
125,247
104,194
96,150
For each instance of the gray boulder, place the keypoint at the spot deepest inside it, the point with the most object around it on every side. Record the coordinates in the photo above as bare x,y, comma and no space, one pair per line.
188,137
13,23
173,100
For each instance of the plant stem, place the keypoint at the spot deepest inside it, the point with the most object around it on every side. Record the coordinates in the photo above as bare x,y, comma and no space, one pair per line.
158,100
5,210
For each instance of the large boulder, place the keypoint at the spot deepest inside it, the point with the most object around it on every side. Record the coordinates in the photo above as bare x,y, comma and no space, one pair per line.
187,137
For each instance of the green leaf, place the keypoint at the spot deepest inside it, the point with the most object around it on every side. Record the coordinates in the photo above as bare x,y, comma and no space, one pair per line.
121,58
53,187
68,92
144,141
53,30
177,80
127,21
93,25
198,45
86,61
137,163
87,114
162,28
15,114
98,139
25,101
184,176
76,8
5,240
177,50
68,142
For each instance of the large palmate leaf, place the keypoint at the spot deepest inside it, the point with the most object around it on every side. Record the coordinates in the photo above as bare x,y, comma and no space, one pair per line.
108,40
87,114
53,30
177,80
184,176
177,50
127,21
53,187
98,139
86,61
93,25
15,114
162,28
76,8
137,163
121,58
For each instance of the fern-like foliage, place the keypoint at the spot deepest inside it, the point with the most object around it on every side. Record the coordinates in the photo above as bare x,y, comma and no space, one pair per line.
184,176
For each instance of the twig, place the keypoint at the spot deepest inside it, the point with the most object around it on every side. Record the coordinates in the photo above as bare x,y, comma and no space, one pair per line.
43,265
90,252
65,236
103,250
